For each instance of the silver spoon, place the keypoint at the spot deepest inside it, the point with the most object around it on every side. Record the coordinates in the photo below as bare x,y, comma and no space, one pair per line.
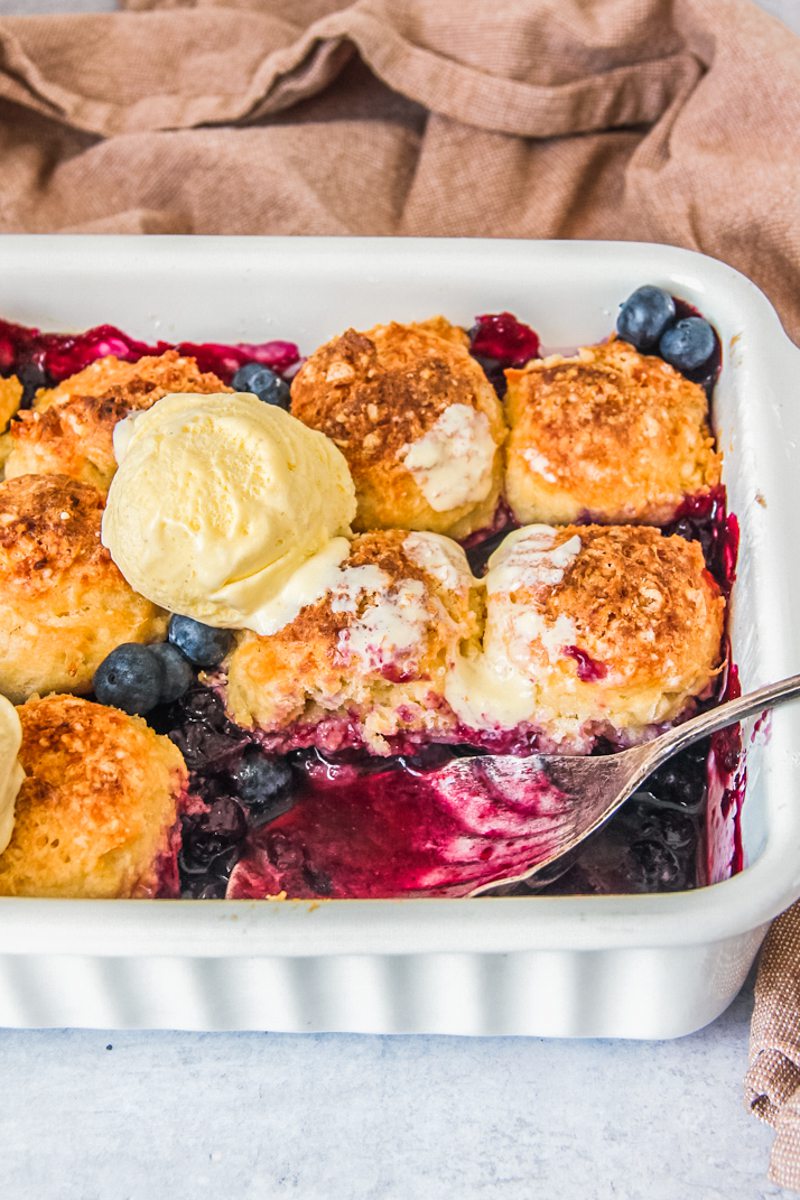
587,790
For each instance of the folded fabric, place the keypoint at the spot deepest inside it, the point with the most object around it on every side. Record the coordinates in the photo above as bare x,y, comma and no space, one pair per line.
628,119
772,1085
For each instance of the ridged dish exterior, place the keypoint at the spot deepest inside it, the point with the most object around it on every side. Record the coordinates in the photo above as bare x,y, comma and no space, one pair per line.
654,993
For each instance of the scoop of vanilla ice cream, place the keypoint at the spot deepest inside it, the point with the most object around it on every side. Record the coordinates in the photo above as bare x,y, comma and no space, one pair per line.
11,773
219,500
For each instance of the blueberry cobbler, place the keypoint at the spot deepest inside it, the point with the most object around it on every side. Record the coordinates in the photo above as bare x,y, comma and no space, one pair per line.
293,628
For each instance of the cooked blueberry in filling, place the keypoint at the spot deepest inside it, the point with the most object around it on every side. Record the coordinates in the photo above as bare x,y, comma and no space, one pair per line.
210,847
263,784
32,376
131,677
262,382
203,746
203,645
644,317
650,846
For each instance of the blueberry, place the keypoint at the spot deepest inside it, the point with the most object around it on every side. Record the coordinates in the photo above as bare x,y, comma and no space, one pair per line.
318,880
205,889
130,678
644,316
32,377
678,831
685,529
178,673
263,783
204,749
658,866
203,705
689,344
211,834
675,787
203,645
262,382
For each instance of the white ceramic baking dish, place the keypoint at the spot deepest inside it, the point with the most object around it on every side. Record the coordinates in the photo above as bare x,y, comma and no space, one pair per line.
633,966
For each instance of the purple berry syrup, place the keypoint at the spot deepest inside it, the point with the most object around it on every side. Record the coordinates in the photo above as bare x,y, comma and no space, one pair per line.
499,341
438,820
43,359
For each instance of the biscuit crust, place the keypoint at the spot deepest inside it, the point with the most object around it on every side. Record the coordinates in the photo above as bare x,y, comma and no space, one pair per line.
10,399
96,811
377,394
369,658
63,603
612,434
69,431
617,636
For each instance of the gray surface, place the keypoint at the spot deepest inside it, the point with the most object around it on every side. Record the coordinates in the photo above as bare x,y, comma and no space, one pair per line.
258,1117
262,1116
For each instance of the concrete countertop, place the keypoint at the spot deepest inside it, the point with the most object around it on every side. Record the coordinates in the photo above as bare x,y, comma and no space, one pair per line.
139,1116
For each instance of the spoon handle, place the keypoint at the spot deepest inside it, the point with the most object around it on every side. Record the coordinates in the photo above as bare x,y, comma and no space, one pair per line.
725,714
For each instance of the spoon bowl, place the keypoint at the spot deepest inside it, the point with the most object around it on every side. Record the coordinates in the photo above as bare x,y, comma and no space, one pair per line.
579,793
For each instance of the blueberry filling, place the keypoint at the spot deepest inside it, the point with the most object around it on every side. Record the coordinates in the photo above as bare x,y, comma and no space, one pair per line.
499,341
57,356
32,376
254,799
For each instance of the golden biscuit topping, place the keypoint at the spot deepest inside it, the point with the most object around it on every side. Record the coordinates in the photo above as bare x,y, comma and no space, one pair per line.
374,651
10,397
63,603
95,811
70,429
376,393
633,596
417,420
377,569
142,382
612,433
47,523
591,631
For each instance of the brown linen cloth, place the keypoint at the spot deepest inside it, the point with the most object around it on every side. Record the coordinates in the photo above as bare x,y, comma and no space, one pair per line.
661,120
772,1085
